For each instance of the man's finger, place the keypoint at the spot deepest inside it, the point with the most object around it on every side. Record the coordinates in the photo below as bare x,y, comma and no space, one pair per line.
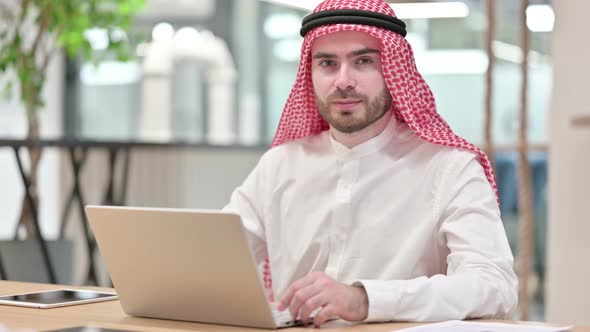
315,302
324,314
302,296
286,299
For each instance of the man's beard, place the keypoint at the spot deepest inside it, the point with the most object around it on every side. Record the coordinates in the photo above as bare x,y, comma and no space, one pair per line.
375,109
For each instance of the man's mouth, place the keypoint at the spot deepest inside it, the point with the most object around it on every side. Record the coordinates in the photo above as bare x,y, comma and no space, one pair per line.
345,104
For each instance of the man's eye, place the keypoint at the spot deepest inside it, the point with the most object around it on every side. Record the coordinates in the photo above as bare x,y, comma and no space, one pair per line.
363,61
326,63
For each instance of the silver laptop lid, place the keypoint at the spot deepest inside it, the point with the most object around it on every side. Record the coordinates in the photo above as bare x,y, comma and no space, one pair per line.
192,265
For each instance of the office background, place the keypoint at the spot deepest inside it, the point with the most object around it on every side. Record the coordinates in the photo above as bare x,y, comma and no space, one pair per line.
259,56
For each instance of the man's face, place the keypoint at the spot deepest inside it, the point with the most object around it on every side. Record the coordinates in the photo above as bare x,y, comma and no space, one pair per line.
348,80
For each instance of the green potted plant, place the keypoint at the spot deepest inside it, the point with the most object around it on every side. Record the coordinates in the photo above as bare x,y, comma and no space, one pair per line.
32,32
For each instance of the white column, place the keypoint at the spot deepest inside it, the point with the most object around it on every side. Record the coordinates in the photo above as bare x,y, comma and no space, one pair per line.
568,262
220,114
156,103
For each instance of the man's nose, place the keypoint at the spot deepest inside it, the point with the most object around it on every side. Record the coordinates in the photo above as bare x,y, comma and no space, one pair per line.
345,79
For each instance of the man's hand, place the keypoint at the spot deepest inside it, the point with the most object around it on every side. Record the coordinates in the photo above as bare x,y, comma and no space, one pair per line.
317,290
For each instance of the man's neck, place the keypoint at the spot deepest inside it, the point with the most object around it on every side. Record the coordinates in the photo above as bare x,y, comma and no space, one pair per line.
351,140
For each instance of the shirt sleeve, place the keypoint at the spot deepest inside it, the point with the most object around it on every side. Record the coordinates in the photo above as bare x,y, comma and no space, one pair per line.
480,281
247,201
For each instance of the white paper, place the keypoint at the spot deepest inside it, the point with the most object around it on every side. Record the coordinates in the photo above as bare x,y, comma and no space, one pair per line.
475,326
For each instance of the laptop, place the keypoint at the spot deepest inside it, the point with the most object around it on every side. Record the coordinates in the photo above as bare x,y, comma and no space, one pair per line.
181,264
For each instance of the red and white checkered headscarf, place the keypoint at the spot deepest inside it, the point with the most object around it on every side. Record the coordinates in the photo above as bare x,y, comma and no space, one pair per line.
413,102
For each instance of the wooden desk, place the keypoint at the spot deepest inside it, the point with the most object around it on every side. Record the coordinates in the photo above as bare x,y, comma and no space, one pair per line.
110,315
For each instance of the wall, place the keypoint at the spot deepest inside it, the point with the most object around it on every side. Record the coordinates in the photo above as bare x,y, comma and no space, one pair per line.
568,288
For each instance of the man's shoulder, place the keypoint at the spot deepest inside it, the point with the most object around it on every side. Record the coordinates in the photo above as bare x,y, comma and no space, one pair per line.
455,157
450,153
438,155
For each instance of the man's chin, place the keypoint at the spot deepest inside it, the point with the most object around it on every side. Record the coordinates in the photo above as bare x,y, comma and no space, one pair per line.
348,128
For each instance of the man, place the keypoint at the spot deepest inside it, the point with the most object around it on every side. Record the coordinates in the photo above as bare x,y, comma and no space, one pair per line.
369,208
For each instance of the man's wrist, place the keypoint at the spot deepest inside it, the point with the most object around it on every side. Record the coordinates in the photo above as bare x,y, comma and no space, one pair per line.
363,300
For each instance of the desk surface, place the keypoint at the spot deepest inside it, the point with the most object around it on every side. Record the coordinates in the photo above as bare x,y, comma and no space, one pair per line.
124,143
110,315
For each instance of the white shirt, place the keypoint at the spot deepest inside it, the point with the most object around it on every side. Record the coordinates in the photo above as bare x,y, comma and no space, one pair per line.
416,223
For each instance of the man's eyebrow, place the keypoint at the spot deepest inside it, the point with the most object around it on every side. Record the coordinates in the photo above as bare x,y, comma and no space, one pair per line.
323,55
366,50
363,51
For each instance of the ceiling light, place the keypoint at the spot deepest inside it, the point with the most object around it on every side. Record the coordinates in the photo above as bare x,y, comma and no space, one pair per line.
430,9
299,4
402,10
540,18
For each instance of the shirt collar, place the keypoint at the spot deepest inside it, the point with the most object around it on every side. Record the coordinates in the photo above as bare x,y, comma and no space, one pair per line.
372,145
